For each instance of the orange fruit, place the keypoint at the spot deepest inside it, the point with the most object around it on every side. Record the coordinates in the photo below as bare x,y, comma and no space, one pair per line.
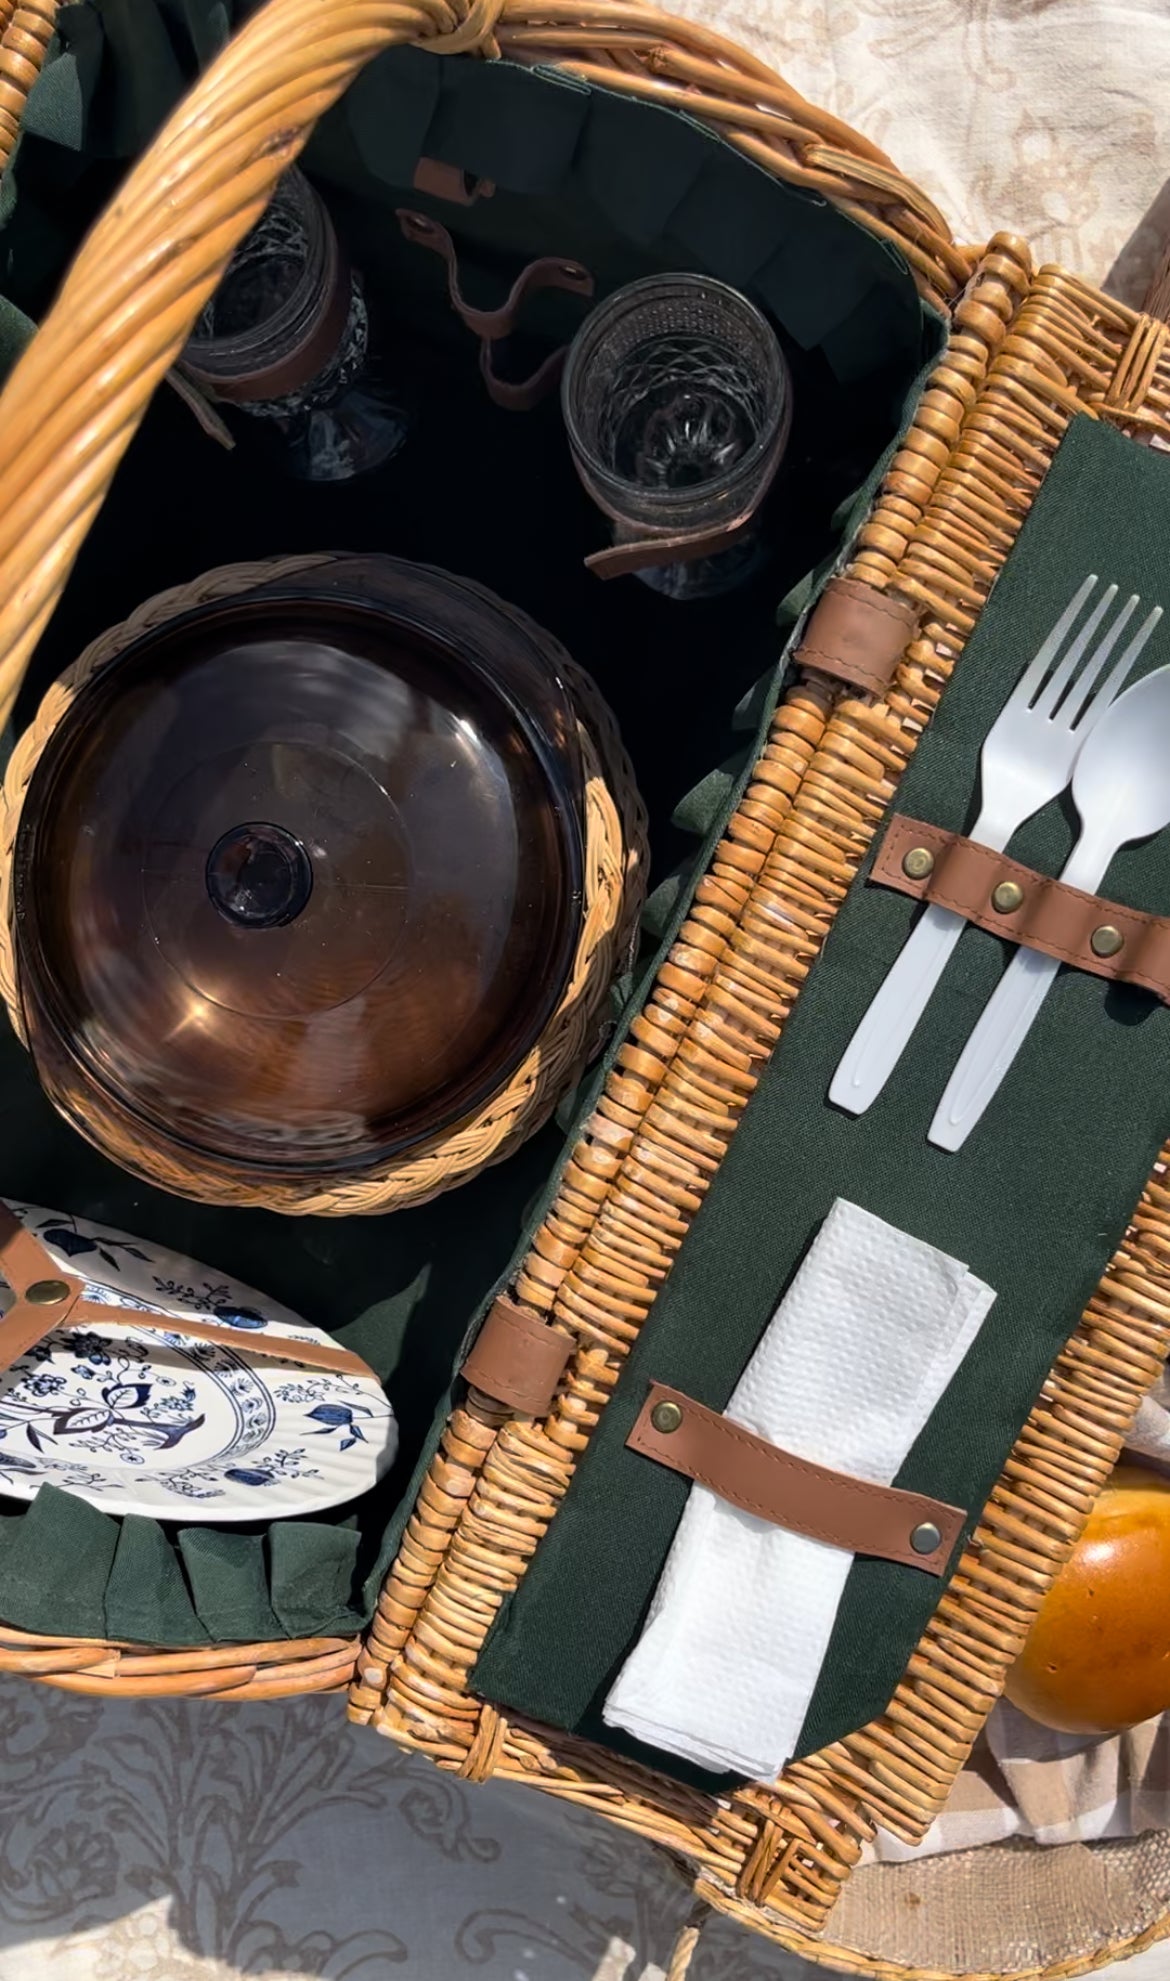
1097,1657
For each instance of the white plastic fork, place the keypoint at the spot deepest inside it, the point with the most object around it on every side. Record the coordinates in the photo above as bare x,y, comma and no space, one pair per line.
1027,759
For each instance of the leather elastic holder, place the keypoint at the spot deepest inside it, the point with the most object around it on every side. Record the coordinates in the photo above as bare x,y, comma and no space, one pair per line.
1035,910
492,326
297,368
857,634
49,1298
651,553
658,548
518,1359
760,1478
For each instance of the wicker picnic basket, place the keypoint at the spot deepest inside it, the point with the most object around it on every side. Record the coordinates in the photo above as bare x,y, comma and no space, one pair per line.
1027,350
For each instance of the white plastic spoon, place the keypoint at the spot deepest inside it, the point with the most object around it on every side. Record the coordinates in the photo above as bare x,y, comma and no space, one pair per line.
1121,789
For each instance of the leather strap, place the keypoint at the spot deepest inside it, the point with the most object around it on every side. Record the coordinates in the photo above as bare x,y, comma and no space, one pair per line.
450,182
491,326
297,368
658,548
857,634
26,1264
791,1492
651,553
518,1359
1058,920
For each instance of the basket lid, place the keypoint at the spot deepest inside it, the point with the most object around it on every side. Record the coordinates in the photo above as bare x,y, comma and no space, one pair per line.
298,875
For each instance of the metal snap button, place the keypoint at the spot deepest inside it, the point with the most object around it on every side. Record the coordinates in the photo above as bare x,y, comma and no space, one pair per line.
1007,897
666,1417
918,862
926,1538
47,1292
1106,941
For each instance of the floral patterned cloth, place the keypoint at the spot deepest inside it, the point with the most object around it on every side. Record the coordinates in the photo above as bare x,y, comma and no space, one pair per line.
1048,118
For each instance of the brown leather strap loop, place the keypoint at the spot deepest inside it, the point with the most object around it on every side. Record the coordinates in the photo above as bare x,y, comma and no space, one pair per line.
857,635
617,560
298,368
450,182
29,1268
1083,930
658,548
491,326
518,1359
548,272
792,1492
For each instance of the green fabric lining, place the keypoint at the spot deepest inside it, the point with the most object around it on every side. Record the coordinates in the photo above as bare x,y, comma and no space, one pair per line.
1035,1201
147,1599
488,494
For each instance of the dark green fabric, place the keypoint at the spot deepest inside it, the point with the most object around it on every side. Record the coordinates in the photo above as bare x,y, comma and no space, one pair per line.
629,189
56,1559
147,1599
1035,1200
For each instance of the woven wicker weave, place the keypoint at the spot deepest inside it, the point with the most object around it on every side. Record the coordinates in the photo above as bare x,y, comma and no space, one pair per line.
1030,352
1026,352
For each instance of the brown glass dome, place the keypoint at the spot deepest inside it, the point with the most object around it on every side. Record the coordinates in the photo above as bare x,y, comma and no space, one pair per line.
298,876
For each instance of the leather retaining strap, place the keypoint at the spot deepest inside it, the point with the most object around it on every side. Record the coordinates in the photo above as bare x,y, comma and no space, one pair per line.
651,553
450,182
492,326
791,1492
48,1298
1038,912
298,368
518,1359
857,634
657,548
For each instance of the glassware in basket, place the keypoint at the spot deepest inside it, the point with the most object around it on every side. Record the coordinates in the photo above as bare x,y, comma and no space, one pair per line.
286,338
678,403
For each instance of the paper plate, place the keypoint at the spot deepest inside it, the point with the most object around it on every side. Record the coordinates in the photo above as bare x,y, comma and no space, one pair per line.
145,1422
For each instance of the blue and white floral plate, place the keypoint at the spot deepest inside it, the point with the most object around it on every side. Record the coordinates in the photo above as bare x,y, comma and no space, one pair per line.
149,1423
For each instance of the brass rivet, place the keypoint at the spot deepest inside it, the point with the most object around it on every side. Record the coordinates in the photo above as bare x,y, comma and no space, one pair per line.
1007,897
47,1292
926,1538
666,1417
918,862
1106,941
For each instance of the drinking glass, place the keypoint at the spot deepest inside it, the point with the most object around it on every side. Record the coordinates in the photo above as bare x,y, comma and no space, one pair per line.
286,338
677,399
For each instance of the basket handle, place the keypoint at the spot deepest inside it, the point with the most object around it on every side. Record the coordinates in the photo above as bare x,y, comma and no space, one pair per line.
127,306
136,287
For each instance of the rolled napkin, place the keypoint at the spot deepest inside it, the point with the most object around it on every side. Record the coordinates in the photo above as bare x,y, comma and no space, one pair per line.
857,1355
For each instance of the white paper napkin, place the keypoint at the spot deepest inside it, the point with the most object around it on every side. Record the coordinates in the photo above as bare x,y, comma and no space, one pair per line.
860,1350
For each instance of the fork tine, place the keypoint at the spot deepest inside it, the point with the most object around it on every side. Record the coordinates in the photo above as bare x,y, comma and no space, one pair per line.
1034,673
1080,693
1122,667
1047,700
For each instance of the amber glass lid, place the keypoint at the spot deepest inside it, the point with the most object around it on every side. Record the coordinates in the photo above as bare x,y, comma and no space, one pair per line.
297,884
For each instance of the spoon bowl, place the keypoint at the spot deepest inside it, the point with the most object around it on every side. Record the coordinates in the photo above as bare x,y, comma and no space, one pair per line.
1121,784
1121,789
